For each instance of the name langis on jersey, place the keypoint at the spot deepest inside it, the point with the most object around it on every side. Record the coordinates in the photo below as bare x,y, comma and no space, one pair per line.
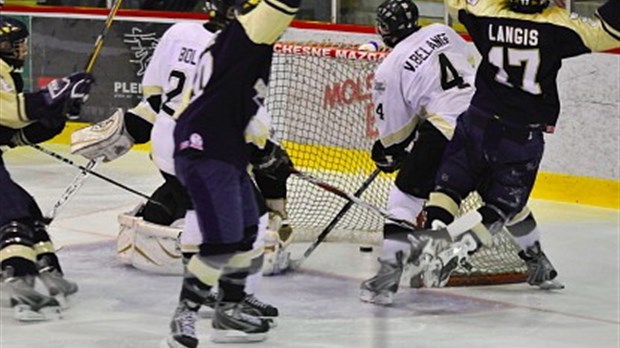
424,51
513,35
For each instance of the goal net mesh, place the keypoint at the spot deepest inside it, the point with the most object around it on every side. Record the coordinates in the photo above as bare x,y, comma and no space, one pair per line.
321,104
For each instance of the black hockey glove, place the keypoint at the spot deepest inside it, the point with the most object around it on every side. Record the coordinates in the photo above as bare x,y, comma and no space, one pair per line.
73,88
387,161
38,132
272,161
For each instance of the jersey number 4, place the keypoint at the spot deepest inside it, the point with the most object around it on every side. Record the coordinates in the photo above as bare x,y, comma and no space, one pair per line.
450,78
527,59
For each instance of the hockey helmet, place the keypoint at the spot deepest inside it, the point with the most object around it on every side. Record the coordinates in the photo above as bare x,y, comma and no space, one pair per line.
528,6
396,19
13,45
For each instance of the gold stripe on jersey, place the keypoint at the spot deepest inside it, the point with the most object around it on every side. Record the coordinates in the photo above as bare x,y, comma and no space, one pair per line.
442,125
266,23
442,200
590,30
17,250
400,135
13,106
144,109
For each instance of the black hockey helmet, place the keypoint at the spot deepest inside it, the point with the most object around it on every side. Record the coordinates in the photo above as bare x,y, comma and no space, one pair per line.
396,19
221,12
13,46
528,6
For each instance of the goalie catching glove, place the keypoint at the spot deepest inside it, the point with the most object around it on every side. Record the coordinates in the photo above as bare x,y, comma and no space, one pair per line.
108,139
272,161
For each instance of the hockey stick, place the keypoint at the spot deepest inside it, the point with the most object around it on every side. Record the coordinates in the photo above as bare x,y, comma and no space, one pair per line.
70,192
104,178
354,199
79,180
295,264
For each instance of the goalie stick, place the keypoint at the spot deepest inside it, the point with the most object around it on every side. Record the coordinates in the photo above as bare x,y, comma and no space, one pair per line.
79,180
295,264
102,177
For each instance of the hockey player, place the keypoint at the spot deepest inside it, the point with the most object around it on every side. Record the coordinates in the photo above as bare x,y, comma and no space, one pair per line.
498,142
421,88
211,159
168,75
26,251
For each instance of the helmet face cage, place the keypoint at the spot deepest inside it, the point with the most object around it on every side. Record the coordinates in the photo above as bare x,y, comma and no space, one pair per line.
528,6
13,41
396,19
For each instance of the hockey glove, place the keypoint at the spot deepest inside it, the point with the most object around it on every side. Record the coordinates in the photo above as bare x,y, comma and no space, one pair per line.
272,161
73,88
387,161
108,139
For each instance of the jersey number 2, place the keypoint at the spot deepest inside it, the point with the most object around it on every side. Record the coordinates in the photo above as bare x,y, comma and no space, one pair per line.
450,78
180,78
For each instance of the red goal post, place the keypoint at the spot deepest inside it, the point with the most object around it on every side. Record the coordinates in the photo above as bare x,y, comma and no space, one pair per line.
320,98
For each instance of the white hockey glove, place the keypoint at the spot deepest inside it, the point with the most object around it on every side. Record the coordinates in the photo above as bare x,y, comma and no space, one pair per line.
108,139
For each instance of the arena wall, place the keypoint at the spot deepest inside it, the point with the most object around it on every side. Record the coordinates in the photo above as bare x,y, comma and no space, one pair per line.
582,160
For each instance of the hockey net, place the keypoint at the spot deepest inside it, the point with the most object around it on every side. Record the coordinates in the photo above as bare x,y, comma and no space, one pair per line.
321,104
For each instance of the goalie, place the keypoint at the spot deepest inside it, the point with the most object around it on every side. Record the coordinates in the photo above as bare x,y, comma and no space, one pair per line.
148,237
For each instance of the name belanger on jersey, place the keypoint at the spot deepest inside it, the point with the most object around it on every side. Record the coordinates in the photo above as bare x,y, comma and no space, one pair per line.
513,35
424,51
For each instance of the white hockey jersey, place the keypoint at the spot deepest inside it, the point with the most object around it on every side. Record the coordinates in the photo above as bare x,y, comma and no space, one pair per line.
171,74
427,76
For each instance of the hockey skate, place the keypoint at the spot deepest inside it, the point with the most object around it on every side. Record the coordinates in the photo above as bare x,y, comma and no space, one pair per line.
381,288
29,304
182,328
55,282
238,323
254,306
540,271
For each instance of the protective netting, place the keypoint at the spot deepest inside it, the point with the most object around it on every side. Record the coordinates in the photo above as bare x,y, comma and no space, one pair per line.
321,104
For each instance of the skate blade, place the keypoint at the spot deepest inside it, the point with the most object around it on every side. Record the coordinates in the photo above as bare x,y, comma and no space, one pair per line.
25,313
170,342
551,285
377,299
235,336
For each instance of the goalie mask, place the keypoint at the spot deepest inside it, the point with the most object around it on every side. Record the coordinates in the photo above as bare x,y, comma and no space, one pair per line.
528,6
13,41
396,19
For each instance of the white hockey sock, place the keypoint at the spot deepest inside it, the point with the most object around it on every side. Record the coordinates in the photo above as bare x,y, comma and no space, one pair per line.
391,247
255,277
528,239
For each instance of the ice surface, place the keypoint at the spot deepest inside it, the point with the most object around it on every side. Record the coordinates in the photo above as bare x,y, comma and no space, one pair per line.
121,307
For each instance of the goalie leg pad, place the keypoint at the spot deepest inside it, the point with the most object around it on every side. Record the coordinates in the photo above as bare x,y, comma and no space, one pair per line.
108,139
149,247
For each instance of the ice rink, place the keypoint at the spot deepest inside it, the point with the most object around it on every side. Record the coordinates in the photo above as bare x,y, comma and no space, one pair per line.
121,307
